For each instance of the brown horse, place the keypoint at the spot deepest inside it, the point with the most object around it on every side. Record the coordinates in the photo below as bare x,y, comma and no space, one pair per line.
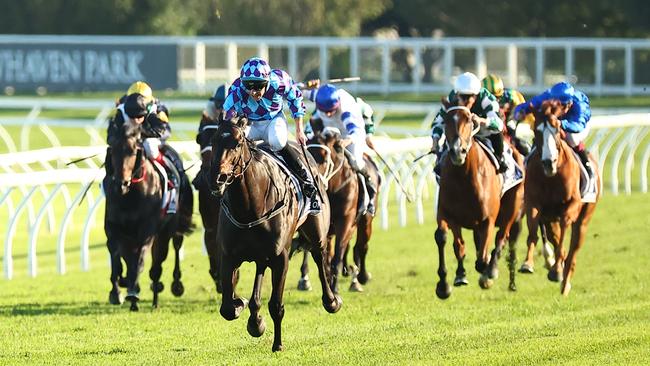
344,193
259,216
552,197
134,220
470,197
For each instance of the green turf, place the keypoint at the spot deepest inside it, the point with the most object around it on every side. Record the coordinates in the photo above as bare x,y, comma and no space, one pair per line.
54,319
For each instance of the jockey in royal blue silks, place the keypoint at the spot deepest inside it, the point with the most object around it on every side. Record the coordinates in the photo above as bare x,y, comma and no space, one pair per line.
259,94
575,120
337,108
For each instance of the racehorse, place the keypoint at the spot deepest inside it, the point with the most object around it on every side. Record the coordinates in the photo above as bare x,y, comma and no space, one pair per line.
470,197
344,193
259,215
135,219
552,197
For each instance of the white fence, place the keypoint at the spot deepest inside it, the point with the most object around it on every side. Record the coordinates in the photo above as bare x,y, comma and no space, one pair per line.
596,65
31,181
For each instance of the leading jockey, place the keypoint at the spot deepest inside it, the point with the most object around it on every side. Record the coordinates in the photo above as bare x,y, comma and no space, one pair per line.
508,99
259,93
575,116
485,111
336,108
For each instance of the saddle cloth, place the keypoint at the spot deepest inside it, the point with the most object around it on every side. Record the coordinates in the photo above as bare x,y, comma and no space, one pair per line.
513,175
304,202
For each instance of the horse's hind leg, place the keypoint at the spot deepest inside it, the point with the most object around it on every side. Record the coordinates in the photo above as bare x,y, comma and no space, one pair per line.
532,221
364,232
278,266
177,285
256,325
578,232
116,273
331,302
303,283
515,230
210,240
159,253
343,235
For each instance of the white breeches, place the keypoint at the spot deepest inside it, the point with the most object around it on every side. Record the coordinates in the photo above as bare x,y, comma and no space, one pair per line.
357,148
274,132
152,147
574,139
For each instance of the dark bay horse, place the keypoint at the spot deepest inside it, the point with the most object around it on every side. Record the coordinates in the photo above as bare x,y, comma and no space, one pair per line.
135,221
259,216
552,197
344,193
470,197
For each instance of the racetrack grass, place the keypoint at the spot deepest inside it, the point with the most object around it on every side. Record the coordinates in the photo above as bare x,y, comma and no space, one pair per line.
55,319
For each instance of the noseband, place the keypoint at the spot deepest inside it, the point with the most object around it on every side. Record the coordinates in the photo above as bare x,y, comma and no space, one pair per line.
468,142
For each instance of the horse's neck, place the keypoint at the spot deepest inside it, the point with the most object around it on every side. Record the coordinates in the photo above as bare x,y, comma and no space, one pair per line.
566,162
251,191
344,172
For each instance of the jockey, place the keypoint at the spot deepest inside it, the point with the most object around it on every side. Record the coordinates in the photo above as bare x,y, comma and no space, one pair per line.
574,120
209,117
484,108
337,108
258,94
508,99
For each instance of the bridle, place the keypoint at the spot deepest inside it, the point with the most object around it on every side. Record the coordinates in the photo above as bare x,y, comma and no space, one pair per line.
476,129
226,179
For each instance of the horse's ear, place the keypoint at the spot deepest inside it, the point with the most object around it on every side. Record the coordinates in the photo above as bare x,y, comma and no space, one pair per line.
445,102
242,122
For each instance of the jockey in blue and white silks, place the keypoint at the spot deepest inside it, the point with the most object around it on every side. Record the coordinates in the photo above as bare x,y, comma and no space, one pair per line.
336,108
259,94
575,120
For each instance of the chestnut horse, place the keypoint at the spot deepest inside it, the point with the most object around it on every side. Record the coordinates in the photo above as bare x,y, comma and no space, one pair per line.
552,197
344,193
259,216
470,197
135,221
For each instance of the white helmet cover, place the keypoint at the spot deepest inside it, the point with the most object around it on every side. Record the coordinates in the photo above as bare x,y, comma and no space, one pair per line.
467,83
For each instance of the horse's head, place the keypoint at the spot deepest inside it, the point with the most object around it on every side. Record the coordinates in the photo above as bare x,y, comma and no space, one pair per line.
229,146
459,131
327,149
549,134
127,155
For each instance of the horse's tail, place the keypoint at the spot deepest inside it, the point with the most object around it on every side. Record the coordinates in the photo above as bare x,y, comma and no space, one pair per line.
186,203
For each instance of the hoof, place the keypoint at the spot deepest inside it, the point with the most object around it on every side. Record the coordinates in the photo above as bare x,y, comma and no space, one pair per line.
134,306
493,273
277,348
566,288
364,277
114,298
304,284
485,282
460,281
132,296
443,291
256,326
355,286
121,281
333,306
177,288
480,266
512,287
554,276
233,312
157,287
526,268
345,271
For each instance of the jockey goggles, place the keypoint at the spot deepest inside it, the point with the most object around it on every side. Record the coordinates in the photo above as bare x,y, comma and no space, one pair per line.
255,84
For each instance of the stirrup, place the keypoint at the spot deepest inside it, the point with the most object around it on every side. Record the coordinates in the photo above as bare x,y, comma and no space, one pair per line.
309,189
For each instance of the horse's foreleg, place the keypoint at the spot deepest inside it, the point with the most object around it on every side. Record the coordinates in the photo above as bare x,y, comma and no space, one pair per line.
134,259
459,252
256,325
276,305
343,235
555,231
532,221
443,291
231,306
116,273
578,232
485,231
177,285
515,230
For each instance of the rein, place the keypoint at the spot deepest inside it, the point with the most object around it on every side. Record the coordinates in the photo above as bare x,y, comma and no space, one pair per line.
474,131
330,171
139,159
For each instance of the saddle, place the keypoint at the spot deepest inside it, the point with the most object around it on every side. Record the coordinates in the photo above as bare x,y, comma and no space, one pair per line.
171,171
588,186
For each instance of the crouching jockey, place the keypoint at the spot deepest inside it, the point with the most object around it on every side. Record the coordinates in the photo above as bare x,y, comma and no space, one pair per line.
337,108
259,94
484,108
574,119
207,127
508,99
155,132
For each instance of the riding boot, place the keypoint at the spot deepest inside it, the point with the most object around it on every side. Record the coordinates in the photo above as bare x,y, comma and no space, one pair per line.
584,158
497,145
372,190
297,166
